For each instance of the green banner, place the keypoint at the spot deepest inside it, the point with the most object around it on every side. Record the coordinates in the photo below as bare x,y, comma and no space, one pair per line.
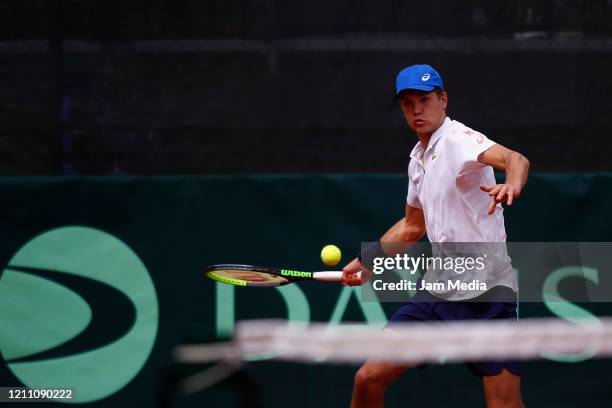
101,277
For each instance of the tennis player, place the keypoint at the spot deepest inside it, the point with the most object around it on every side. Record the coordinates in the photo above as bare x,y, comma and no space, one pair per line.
453,197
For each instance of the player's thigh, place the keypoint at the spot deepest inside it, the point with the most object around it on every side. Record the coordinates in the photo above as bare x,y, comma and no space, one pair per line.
377,373
503,390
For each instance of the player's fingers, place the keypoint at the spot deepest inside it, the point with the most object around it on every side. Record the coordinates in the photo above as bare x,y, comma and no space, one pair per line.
362,276
348,277
510,197
355,278
491,208
494,192
345,277
487,188
502,193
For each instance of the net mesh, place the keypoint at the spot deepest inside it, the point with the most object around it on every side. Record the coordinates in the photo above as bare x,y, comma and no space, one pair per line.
529,339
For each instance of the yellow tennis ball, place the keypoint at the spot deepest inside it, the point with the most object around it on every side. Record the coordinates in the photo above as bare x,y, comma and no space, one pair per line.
331,255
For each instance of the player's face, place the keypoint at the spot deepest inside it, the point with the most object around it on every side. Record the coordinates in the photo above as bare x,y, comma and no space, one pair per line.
423,111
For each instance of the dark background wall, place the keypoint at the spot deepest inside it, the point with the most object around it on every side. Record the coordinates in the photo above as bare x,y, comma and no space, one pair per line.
188,87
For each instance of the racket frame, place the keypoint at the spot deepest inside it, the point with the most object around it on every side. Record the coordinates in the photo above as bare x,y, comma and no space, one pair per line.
290,275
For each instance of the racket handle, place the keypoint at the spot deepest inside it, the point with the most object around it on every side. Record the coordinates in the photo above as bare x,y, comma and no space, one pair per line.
330,276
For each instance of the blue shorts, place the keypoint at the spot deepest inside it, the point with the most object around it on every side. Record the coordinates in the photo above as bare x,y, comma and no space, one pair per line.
454,311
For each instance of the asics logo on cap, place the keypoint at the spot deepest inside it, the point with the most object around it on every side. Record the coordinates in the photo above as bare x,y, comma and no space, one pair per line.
425,77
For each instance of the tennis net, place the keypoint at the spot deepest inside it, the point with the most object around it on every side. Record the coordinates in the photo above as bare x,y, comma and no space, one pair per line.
465,341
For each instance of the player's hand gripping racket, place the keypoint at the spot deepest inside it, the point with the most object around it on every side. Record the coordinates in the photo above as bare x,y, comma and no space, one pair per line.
248,275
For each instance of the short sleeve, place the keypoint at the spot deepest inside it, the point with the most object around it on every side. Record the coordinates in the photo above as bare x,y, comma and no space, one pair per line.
412,198
465,147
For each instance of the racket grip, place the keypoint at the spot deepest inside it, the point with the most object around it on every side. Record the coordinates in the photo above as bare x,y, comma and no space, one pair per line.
330,276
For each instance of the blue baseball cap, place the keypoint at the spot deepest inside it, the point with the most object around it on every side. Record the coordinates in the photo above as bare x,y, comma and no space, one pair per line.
420,77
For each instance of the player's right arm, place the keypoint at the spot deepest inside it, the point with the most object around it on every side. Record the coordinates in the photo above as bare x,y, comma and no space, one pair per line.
407,230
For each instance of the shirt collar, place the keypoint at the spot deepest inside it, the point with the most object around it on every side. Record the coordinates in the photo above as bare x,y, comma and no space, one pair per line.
417,151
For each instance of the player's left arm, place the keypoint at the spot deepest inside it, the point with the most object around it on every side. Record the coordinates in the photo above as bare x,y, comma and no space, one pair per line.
516,167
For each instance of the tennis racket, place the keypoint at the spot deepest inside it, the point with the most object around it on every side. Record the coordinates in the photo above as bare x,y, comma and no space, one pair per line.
248,275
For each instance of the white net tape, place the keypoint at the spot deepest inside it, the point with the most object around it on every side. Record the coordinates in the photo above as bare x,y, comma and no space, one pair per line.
417,342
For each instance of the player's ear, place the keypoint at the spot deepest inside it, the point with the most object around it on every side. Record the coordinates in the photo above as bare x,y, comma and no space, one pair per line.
444,99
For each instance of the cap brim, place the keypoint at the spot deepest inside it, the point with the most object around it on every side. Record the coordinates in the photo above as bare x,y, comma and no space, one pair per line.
426,88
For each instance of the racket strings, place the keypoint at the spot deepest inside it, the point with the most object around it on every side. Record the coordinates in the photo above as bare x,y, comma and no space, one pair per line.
245,277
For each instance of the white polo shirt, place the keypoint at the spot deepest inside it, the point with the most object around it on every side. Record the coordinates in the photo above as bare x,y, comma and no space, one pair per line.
445,179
